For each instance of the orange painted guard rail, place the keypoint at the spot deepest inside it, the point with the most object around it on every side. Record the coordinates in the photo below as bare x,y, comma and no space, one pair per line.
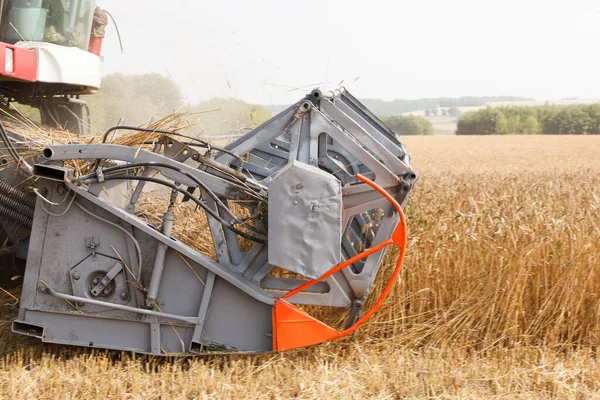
293,328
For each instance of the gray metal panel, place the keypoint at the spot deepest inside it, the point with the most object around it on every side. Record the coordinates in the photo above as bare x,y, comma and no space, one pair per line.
90,331
237,320
181,275
178,246
305,220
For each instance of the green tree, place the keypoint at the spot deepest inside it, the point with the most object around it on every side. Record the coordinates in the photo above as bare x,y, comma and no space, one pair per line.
409,125
531,126
481,122
137,98
502,126
454,111
546,119
513,125
227,116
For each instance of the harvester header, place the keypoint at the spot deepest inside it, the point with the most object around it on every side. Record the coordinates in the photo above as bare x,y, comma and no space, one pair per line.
297,215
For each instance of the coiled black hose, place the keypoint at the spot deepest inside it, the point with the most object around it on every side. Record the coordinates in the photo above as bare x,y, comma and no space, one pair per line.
16,216
17,194
16,205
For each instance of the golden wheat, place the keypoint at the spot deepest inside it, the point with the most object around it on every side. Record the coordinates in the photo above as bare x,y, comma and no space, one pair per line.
499,297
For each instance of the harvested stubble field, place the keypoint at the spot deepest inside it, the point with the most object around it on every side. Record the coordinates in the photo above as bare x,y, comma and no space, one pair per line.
499,298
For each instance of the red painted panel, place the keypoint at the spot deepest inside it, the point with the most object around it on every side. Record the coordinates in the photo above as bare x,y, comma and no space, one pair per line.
96,46
24,63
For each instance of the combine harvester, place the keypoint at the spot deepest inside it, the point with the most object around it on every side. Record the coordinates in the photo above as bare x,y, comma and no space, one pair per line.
315,192
49,55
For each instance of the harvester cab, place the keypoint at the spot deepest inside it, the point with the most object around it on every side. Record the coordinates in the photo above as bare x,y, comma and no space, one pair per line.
49,56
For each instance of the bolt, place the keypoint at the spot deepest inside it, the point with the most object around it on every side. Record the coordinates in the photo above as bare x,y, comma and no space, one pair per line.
75,275
95,281
57,234
104,281
295,203
43,288
106,292
123,295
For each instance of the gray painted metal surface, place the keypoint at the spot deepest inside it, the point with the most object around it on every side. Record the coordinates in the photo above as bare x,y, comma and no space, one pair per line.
305,220
99,275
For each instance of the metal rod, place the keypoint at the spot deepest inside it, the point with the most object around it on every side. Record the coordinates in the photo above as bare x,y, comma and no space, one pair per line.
140,186
77,299
161,251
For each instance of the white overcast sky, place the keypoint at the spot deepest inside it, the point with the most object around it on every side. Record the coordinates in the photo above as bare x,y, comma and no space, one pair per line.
256,50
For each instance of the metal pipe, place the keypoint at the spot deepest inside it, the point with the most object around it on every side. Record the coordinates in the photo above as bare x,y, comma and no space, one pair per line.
21,163
1,11
201,142
140,186
209,162
131,207
73,14
196,200
77,299
161,251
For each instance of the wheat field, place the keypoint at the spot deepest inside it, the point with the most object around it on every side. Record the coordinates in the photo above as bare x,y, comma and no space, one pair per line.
499,298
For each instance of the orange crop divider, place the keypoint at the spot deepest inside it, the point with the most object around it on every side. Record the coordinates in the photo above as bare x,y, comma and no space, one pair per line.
293,328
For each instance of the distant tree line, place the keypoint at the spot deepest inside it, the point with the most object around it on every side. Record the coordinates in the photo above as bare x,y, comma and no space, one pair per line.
401,106
547,119
135,98
453,111
139,99
408,125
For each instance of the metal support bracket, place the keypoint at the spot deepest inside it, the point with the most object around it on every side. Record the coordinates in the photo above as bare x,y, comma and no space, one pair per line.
105,281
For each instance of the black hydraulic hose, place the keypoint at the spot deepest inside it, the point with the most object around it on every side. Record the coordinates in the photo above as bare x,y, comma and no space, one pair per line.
14,215
21,163
195,199
9,146
17,194
185,173
16,205
117,29
149,130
